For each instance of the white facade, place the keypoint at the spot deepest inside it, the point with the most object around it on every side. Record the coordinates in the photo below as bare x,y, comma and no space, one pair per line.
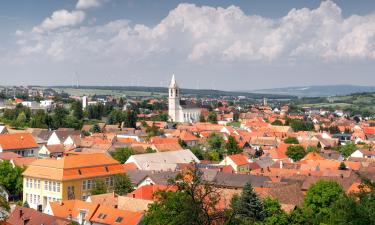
177,112
85,101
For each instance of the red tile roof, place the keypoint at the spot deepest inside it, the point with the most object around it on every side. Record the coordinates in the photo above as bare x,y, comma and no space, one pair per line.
239,159
17,141
147,192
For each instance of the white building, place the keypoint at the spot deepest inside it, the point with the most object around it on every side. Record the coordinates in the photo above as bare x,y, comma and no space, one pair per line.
85,101
177,112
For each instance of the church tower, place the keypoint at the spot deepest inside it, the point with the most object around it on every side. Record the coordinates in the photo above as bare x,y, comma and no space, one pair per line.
173,100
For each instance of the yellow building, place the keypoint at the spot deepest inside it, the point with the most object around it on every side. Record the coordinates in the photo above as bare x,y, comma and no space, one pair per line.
70,177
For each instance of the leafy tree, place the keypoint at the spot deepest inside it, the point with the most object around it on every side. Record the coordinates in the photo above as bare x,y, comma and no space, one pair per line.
277,123
95,129
4,204
248,208
153,131
232,146
347,149
198,152
39,119
295,152
99,187
212,117
274,214
321,196
77,110
26,204
202,119
193,203
215,141
150,150
11,178
122,154
123,185
182,143
21,120
312,148
291,140
342,166
301,125
59,117
130,119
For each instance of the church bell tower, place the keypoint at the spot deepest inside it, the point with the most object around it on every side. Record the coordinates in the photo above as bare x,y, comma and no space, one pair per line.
173,100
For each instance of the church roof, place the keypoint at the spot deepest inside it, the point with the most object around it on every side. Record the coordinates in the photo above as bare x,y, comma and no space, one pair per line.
173,83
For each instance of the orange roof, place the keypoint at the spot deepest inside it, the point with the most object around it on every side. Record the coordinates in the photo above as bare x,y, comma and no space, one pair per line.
126,140
23,161
355,188
239,159
369,130
17,141
187,136
163,140
312,156
72,167
109,215
147,192
279,152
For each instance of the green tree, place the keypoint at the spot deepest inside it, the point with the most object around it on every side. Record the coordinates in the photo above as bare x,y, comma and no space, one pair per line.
130,119
312,148
274,214
4,204
301,125
150,150
202,119
232,146
11,178
194,202
77,110
321,196
182,143
21,120
295,152
277,123
122,154
95,129
212,117
99,187
334,130
291,140
59,117
248,208
123,185
347,149
342,166
215,141
39,119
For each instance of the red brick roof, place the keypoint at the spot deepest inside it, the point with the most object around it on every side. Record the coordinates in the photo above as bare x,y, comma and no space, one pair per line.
239,159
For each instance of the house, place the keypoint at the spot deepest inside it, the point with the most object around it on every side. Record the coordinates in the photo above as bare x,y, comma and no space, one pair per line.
364,153
69,177
147,192
162,161
22,216
190,139
3,129
20,143
87,213
239,162
48,151
59,136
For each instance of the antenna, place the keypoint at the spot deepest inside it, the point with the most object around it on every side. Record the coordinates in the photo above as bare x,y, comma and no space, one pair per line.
77,80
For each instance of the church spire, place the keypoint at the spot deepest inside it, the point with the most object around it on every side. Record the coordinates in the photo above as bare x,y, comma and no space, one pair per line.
173,83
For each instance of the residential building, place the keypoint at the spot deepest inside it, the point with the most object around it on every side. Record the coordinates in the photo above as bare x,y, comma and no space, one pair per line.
70,177
22,216
20,143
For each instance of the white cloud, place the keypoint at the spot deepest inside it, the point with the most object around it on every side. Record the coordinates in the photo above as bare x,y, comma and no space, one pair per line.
61,18
85,4
195,34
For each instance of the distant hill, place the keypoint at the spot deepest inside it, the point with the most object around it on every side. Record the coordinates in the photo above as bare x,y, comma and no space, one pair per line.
194,92
318,91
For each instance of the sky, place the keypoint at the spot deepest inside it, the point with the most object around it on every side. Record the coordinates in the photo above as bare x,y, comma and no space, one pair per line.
218,44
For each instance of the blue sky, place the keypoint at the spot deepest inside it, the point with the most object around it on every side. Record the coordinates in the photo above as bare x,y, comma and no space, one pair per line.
233,45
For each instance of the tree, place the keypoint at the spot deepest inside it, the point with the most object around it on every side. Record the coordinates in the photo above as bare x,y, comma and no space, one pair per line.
216,145
291,140
39,119
312,148
334,130
232,146
321,196
150,150
122,154
277,123
4,204
194,202
99,187
301,125
202,119
59,117
182,143
274,214
123,185
95,129
347,149
130,119
212,117
11,178
21,120
26,204
342,166
248,208
77,110
295,152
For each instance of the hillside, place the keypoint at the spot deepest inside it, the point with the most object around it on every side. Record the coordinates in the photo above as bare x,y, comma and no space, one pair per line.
318,91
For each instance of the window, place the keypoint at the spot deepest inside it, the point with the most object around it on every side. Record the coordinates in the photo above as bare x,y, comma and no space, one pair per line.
49,185
111,181
102,216
54,186
27,197
107,181
34,199
89,184
58,187
27,182
119,219
84,184
38,184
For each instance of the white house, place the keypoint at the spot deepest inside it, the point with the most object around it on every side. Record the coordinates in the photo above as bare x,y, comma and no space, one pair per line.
364,153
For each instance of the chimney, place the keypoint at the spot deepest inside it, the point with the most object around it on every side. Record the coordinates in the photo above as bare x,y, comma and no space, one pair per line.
21,213
281,164
342,176
133,195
